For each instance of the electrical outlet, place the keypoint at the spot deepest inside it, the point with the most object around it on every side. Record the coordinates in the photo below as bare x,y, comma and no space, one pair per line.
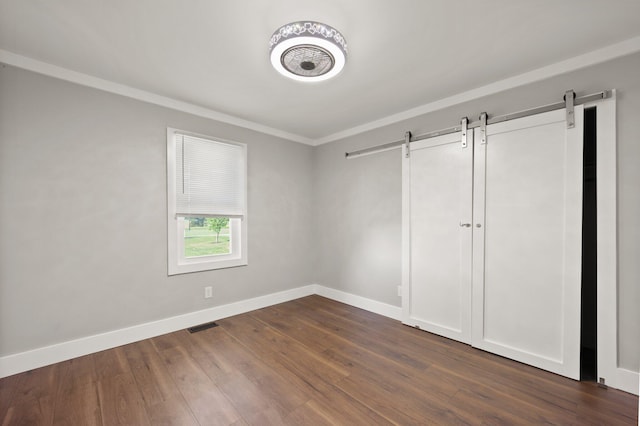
208,292
399,291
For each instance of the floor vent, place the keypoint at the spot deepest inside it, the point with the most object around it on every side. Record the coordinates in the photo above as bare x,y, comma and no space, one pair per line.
202,327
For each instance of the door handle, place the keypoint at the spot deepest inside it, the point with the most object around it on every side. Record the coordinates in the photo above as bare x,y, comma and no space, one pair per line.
465,225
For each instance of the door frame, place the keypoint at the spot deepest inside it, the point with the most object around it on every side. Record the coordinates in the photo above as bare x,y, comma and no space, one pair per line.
607,248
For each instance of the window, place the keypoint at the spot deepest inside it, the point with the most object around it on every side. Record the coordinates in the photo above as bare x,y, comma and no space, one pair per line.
207,199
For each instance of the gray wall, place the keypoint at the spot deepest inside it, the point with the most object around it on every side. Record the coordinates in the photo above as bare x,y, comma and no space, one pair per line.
83,246
83,202
358,202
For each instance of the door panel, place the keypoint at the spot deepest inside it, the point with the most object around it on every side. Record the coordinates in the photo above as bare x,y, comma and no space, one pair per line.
527,248
437,280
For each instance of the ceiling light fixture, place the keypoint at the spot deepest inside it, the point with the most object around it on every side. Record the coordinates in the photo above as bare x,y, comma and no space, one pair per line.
308,51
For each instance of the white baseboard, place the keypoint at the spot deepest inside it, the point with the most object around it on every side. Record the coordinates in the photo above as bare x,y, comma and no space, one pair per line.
28,360
625,380
25,361
17,363
370,305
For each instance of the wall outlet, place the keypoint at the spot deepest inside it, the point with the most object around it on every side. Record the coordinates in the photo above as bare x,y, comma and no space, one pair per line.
208,292
399,291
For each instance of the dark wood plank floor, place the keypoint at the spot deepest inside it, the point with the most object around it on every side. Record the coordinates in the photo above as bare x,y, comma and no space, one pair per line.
310,361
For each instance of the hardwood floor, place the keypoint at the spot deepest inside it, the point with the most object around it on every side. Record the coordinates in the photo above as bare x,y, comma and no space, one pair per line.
311,361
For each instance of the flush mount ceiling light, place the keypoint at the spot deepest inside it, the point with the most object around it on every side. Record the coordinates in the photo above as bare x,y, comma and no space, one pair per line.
308,51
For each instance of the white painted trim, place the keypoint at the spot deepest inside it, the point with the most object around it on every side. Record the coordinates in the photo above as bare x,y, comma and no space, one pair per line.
24,361
607,235
607,263
177,264
617,50
380,308
623,379
28,360
598,56
61,73
406,234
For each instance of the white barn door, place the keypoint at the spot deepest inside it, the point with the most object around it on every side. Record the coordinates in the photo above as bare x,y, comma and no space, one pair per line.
436,273
527,241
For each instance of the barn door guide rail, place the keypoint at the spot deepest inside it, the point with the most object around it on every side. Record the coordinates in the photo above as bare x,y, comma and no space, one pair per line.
568,102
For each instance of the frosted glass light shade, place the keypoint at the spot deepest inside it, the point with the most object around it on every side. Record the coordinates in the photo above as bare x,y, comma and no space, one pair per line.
308,51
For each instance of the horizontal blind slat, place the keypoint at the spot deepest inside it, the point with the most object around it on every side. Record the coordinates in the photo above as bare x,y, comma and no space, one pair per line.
210,178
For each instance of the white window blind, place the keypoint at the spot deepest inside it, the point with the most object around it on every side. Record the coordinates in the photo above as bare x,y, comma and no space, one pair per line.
210,178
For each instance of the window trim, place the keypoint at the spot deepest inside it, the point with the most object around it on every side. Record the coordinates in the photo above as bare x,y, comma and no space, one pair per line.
175,234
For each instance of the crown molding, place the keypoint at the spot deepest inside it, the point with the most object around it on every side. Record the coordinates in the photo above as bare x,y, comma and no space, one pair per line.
61,73
624,48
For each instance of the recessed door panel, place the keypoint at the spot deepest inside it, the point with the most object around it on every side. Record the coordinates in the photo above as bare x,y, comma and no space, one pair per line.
527,241
438,176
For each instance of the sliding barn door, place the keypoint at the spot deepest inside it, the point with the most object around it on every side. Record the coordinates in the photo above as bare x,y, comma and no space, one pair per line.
437,196
527,241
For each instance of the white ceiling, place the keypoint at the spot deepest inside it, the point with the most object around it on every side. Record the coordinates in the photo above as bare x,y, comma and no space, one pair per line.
402,54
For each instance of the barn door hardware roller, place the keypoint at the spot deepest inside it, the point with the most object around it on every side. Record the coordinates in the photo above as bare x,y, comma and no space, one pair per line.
569,99
407,141
483,128
464,124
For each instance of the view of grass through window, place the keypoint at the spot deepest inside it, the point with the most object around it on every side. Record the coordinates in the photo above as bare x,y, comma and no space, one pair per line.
207,236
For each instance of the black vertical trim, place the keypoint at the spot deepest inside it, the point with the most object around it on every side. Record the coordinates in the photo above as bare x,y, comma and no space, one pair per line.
589,302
